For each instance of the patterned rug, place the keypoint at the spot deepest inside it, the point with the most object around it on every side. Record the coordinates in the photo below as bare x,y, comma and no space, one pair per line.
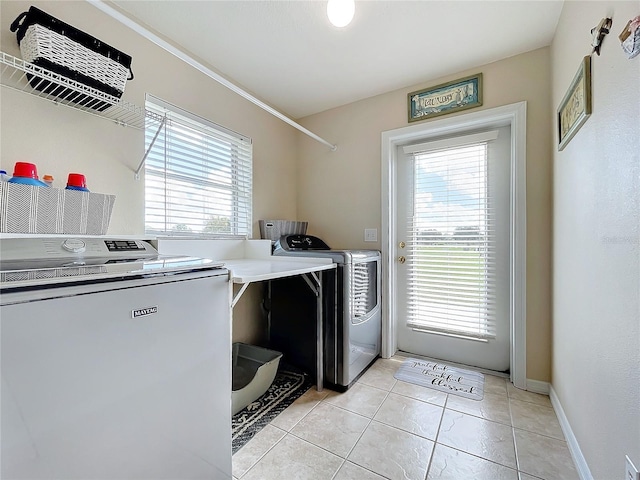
289,384
440,376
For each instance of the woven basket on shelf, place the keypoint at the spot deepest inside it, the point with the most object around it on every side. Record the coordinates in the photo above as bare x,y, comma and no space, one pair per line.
61,48
41,43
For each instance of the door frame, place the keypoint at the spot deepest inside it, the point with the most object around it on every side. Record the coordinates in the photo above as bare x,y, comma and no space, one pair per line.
514,115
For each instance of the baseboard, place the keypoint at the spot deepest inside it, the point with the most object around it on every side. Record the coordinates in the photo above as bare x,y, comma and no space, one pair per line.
536,386
578,459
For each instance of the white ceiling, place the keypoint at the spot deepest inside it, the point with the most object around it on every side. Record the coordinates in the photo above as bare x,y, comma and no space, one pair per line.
287,53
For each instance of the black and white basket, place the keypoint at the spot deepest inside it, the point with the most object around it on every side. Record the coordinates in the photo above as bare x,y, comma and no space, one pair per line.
30,209
57,46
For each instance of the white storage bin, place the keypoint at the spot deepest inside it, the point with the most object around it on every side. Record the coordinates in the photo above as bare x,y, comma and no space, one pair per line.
29,209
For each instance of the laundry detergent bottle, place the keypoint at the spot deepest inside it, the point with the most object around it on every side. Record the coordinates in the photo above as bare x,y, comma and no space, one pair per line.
26,174
76,181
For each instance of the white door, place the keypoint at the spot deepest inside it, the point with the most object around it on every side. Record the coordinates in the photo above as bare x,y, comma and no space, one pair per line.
452,255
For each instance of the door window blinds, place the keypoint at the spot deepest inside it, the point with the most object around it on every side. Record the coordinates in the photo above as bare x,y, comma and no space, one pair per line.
451,239
198,176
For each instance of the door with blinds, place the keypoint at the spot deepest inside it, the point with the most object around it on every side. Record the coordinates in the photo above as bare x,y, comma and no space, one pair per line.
452,258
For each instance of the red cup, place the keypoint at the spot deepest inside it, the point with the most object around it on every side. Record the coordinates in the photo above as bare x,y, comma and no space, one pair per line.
76,180
24,169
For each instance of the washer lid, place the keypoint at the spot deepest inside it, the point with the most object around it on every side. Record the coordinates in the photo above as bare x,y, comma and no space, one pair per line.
31,262
36,275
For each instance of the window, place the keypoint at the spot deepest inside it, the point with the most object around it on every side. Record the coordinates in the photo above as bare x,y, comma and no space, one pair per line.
198,176
452,245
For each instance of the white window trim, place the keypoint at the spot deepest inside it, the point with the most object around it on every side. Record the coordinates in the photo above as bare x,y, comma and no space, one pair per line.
514,115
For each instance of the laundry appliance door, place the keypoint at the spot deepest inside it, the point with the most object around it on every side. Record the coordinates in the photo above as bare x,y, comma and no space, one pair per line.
126,380
362,315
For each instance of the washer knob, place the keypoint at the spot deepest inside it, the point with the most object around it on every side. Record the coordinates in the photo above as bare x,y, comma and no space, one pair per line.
74,245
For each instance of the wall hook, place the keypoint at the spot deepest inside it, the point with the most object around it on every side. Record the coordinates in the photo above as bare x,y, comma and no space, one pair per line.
599,32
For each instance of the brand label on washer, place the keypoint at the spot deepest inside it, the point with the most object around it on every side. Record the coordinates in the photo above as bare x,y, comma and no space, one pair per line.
141,312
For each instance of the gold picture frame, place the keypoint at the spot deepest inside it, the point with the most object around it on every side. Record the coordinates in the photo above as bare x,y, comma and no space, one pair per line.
575,107
445,98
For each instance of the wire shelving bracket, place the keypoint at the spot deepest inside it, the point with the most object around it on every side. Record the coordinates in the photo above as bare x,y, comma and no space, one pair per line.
16,74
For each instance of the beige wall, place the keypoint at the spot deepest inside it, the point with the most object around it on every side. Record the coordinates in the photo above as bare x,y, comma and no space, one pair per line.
596,268
60,140
339,192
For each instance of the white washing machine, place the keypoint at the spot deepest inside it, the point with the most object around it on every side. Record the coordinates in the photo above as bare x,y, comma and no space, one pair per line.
116,362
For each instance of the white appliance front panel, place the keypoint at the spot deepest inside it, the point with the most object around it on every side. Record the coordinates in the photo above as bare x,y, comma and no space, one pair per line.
88,392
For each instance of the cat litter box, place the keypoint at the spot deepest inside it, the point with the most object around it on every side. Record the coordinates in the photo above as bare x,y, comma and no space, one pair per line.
254,369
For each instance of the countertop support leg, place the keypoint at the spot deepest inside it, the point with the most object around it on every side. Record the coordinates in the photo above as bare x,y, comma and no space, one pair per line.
239,294
315,284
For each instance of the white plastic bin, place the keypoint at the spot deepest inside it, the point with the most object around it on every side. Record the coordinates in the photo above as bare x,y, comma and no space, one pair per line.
254,369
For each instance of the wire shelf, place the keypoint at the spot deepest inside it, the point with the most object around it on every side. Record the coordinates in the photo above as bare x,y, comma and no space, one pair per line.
61,90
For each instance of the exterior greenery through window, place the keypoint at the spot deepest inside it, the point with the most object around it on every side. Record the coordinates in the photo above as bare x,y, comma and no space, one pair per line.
198,176
451,244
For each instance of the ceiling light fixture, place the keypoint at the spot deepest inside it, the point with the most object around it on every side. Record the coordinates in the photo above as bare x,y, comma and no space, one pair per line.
340,12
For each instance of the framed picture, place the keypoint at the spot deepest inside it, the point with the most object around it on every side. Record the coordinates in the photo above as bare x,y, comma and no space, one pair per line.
445,98
575,107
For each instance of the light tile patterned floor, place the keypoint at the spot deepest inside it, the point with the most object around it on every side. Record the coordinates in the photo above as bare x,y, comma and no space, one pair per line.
383,428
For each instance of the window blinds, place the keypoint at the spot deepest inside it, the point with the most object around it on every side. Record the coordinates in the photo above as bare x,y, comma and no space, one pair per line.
198,176
451,239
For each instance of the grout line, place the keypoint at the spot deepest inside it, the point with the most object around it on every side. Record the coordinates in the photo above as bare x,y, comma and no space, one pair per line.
344,460
319,447
348,411
261,456
315,445
368,424
540,434
513,435
531,403
476,455
302,417
484,458
388,392
370,420
435,440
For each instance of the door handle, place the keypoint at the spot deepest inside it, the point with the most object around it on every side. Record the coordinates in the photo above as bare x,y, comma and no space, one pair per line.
402,259
402,244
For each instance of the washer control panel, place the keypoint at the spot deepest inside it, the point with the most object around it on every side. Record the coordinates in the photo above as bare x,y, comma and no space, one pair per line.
72,249
124,245
301,242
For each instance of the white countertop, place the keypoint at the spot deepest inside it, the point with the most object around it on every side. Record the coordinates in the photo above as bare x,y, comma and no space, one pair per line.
257,270
247,260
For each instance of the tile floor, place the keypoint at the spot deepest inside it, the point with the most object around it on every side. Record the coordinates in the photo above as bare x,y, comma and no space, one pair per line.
384,428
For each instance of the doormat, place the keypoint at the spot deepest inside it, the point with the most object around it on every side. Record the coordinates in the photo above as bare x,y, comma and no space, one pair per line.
440,376
289,384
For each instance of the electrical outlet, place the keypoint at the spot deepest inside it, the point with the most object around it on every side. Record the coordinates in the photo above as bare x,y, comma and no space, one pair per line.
631,472
370,234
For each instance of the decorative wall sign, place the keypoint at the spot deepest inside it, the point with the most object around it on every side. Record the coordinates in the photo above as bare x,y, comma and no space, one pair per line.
630,37
575,107
445,98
